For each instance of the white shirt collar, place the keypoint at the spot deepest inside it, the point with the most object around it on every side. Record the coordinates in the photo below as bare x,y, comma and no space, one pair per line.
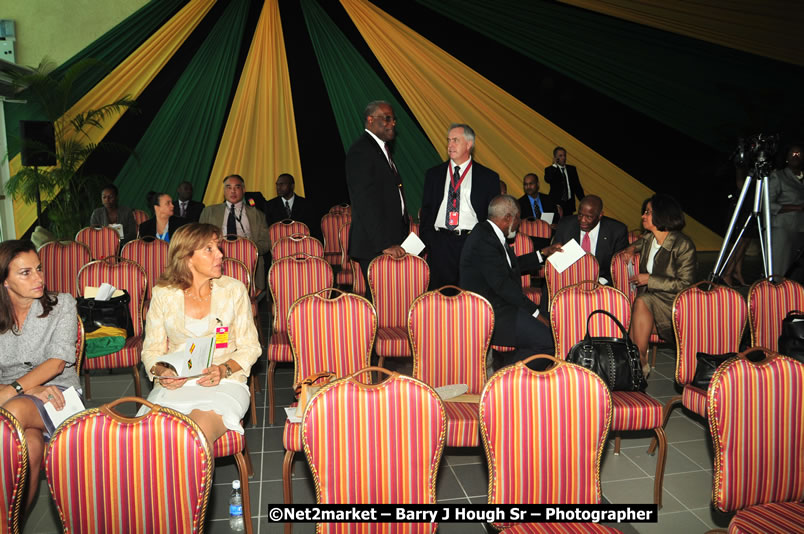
499,233
379,142
557,166
462,165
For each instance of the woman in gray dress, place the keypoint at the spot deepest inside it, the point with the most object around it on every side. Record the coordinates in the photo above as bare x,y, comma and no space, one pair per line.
37,347
667,265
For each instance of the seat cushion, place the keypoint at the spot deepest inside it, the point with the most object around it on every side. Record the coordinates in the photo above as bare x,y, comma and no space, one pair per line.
228,444
463,424
773,518
694,399
558,528
392,341
279,348
633,410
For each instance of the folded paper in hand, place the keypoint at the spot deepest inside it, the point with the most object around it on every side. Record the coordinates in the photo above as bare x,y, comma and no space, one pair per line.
194,358
72,405
571,252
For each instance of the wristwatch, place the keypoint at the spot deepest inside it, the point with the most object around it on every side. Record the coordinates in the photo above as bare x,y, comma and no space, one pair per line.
16,385
228,370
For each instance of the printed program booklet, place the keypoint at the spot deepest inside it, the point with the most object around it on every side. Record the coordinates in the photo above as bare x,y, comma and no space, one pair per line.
196,356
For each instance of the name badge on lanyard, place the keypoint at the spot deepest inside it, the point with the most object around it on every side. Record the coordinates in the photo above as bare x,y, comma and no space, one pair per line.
222,337
454,213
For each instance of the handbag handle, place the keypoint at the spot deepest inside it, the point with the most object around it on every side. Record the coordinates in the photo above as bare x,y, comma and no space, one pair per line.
587,337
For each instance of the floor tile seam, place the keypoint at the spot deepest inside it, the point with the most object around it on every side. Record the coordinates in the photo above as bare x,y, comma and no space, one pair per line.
682,453
465,494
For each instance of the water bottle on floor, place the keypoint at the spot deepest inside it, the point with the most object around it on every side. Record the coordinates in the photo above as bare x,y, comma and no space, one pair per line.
236,508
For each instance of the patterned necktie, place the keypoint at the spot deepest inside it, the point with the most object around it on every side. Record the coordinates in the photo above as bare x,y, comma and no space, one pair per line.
586,243
182,209
453,198
287,209
231,222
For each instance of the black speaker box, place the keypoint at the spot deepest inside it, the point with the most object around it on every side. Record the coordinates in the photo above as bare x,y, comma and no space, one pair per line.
38,143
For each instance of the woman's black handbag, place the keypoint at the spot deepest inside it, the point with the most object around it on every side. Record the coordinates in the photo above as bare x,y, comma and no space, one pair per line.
705,367
615,360
113,312
791,342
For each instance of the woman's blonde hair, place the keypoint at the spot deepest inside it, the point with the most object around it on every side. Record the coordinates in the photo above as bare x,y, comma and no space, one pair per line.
183,243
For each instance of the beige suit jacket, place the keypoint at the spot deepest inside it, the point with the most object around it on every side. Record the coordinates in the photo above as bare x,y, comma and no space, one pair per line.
165,330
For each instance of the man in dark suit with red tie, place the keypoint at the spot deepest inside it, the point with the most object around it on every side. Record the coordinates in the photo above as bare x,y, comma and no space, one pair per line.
379,214
456,197
565,186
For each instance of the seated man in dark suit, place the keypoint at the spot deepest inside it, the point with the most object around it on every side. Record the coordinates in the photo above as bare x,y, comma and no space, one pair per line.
188,208
602,236
533,204
489,267
288,205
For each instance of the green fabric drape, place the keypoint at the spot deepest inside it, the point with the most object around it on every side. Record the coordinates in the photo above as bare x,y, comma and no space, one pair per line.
109,49
708,92
351,84
181,141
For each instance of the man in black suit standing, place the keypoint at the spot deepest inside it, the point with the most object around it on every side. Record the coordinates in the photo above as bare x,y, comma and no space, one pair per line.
379,214
288,205
565,185
188,208
599,235
490,268
456,197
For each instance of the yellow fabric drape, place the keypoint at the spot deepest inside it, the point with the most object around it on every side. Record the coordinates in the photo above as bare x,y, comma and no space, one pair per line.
770,28
129,78
259,141
512,138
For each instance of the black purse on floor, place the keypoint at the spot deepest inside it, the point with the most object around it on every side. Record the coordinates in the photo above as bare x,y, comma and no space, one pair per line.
615,360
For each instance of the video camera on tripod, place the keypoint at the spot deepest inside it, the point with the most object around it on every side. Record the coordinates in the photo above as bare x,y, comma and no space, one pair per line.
756,154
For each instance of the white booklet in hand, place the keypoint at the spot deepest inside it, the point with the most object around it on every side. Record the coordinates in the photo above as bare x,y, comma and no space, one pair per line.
412,244
571,253
72,405
194,358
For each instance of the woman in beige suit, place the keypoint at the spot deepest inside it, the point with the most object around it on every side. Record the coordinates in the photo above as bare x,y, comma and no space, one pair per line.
667,265
190,300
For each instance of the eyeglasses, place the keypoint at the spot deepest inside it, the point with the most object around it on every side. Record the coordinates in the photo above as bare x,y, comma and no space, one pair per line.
384,118
647,212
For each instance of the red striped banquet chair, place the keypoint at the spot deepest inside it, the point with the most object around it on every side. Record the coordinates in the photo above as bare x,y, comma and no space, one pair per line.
61,261
126,275
769,301
707,318
139,217
150,254
544,433
286,227
585,269
620,280
245,250
103,241
345,277
290,279
110,473
375,443
634,235
330,224
341,208
237,269
329,331
450,337
535,228
13,472
523,245
757,424
395,284
631,410
297,244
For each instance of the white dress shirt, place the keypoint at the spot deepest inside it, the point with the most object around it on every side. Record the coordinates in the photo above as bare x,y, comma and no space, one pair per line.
563,171
467,218
593,234
243,226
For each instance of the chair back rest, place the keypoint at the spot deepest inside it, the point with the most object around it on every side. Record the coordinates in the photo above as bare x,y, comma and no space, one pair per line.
414,227
757,425
523,245
151,255
61,261
236,269
139,217
293,277
375,443
287,227
80,340
544,433
243,249
296,244
535,228
710,321
634,235
619,274
585,269
123,275
110,473
449,337
341,208
358,281
394,285
343,243
572,307
330,224
331,331
13,472
768,303
103,241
